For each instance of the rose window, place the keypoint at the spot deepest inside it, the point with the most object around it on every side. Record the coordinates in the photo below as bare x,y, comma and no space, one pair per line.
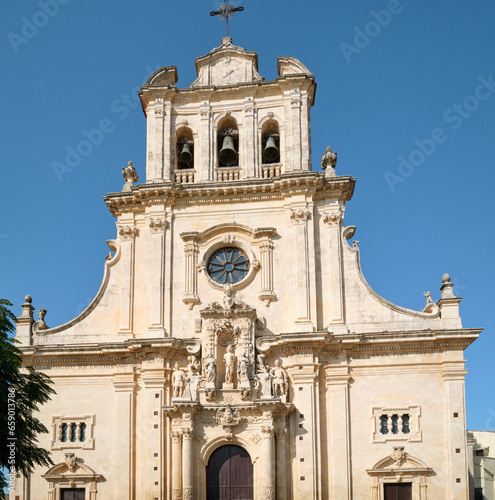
228,265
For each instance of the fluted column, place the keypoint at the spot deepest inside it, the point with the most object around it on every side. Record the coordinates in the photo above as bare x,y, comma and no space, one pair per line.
191,273
187,464
266,254
267,464
281,471
176,465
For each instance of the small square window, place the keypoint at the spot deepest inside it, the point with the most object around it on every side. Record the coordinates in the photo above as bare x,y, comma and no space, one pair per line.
303,478
456,415
301,460
156,426
458,480
155,413
300,438
301,388
301,415
155,454
157,396
457,450
155,468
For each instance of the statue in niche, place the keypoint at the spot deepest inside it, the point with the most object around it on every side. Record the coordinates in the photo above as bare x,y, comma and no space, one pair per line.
178,382
280,379
243,370
210,369
264,377
229,360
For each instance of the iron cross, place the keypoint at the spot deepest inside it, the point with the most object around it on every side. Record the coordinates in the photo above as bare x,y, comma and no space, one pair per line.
226,11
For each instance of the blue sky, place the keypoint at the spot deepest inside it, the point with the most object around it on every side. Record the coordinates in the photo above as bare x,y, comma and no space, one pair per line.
406,96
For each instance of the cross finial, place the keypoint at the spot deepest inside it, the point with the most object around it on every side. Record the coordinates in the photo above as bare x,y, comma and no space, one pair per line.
226,11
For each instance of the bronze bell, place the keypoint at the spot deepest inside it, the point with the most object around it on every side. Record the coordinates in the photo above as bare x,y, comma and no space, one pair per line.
228,154
185,155
270,153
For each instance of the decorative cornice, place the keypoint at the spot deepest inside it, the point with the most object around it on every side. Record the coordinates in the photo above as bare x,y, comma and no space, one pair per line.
310,183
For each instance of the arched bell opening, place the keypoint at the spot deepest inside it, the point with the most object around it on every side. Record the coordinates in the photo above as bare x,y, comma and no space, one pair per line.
229,474
270,142
228,142
184,148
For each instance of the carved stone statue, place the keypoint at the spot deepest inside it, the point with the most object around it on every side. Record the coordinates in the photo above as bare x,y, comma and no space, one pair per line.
328,159
41,325
280,380
193,366
178,382
210,368
130,176
228,298
229,360
243,370
429,300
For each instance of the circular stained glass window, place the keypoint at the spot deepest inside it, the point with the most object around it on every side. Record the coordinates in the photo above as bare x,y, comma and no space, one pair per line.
228,265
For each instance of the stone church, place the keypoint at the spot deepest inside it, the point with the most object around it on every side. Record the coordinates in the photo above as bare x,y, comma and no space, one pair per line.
234,349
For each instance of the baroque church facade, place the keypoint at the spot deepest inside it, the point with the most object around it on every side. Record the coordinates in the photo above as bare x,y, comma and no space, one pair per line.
234,349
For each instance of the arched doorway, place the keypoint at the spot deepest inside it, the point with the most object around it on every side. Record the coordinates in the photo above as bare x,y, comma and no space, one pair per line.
229,474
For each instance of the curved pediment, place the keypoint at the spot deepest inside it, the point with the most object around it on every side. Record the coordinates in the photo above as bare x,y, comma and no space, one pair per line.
399,461
163,77
287,65
227,65
72,467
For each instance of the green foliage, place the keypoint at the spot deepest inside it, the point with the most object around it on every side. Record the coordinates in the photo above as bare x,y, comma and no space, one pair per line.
28,389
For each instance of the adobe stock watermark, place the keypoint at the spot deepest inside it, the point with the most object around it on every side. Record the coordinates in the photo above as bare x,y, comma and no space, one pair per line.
11,438
362,37
454,116
31,26
120,108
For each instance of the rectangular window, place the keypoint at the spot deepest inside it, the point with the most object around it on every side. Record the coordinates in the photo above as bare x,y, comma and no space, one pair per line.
478,494
396,424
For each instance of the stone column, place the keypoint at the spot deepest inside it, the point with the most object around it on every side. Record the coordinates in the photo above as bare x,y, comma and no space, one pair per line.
156,117
307,435
249,160
305,129
295,118
455,423
281,471
267,464
124,385
191,274
203,161
339,445
187,464
176,465
334,282
266,254
168,159
127,233
158,227
299,218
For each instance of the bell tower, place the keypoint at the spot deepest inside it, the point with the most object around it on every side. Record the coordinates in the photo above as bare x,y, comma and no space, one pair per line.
230,124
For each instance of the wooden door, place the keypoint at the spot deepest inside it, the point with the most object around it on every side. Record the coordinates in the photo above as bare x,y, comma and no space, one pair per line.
397,491
229,474
72,494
